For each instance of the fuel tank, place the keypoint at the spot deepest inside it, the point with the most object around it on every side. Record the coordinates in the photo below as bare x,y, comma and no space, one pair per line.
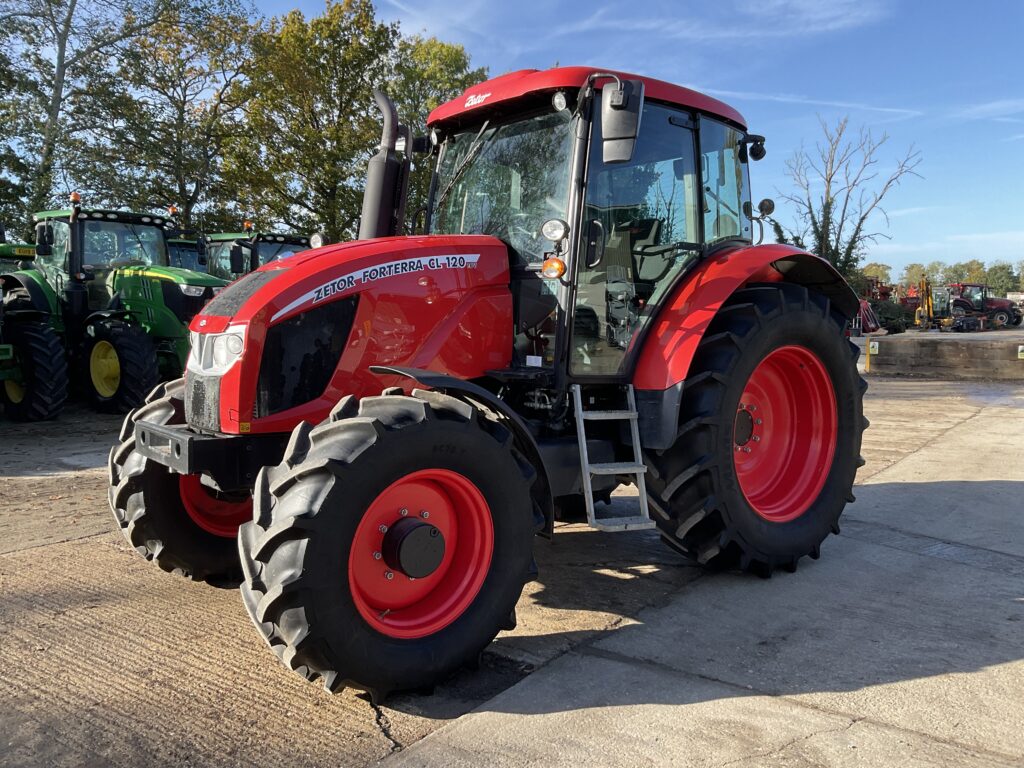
286,342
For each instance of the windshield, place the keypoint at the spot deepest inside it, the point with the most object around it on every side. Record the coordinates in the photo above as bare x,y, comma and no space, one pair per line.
506,181
218,259
184,255
270,251
121,244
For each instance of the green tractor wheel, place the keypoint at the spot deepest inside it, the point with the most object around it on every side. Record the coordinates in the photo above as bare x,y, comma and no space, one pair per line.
39,393
120,365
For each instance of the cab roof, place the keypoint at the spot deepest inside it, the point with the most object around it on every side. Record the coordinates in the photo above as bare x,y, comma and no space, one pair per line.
99,214
262,237
506,88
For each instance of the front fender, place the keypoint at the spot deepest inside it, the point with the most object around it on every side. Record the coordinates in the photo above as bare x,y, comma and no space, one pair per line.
680,324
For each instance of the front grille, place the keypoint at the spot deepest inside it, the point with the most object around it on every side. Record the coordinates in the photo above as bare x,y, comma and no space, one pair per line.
301,354
184,307
202,401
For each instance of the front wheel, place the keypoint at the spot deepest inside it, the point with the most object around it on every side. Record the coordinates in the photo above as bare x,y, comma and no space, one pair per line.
174,520
1001,318
390,546
770,434
120,366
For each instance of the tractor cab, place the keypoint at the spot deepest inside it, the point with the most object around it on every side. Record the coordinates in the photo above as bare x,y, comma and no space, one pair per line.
605,196
231,254
973,294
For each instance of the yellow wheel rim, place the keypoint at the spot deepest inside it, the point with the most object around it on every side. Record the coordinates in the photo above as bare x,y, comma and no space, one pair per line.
15,391
104,369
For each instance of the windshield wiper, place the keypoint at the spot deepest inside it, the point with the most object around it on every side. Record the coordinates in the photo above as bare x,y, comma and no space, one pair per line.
475,148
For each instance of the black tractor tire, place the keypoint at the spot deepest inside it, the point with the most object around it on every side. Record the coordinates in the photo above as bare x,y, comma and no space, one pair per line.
43,388
138,368
1001,318
1018,318
146,501
298,587
693,487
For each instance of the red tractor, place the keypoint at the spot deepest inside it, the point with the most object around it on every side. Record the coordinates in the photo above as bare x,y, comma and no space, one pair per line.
385,425
975,300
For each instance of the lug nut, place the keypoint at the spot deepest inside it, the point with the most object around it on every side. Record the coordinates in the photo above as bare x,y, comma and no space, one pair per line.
746,449
757,421
424,514
383,529
403,512
757,439
389,575
376,555
753,407
742,406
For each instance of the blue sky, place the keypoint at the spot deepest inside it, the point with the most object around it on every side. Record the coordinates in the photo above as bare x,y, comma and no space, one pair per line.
944,76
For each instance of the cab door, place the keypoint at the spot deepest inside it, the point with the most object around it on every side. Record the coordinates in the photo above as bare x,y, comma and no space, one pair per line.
641,228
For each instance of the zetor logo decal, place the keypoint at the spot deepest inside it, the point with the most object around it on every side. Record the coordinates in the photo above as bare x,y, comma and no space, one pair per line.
381,272
473,101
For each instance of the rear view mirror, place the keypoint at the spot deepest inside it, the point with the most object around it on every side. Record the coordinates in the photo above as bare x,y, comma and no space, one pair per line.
237,259
595,243
621,108
44,239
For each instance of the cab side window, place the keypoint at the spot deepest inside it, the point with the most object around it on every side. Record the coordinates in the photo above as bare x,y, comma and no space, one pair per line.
726,187
57,261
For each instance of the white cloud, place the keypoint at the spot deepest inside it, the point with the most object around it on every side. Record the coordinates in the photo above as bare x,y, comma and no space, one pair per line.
788,98
913,211
738,20
1002,110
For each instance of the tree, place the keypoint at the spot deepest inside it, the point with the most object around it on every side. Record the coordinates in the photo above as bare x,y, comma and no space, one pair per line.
311,119
428,73
972,271
912,274
935,270
60,45
1001,278
157,130
881,272
839,189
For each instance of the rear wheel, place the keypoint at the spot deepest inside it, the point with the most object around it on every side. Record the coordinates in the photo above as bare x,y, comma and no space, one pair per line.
770,434
174,520
39,393
390,546
120,366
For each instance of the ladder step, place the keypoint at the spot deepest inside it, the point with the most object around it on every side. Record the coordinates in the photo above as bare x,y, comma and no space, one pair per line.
608,415
628,523
617,468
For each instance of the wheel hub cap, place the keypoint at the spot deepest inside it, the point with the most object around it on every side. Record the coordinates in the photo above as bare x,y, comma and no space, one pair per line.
104,368
413,547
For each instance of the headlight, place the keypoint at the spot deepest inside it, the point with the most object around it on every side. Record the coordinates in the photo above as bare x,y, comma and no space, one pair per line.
212,354
192,290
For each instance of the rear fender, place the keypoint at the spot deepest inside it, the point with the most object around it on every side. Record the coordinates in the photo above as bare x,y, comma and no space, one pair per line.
107,314
677,329
41,294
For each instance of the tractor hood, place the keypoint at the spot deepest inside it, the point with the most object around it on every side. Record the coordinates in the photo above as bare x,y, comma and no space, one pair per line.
281,289
174,275
289,340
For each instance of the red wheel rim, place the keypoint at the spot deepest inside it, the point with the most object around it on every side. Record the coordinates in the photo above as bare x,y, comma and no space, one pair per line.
404,607
785,433
220,517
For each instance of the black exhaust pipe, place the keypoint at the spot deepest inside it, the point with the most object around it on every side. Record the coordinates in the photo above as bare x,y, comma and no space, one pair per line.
383,198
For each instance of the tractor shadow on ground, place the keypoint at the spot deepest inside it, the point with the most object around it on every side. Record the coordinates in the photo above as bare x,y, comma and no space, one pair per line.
884,604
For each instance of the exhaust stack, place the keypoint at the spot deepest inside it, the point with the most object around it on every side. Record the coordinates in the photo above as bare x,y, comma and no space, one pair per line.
386,179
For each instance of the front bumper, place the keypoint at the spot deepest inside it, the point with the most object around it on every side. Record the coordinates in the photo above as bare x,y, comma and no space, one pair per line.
231,461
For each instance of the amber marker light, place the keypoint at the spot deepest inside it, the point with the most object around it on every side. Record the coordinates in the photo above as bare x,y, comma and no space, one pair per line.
75,198
248,226
553,268
172,210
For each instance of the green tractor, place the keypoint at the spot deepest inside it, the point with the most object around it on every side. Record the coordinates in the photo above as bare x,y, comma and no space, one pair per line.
33,370
232,254
104,279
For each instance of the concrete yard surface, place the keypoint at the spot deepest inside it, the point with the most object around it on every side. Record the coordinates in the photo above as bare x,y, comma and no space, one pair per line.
903,645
